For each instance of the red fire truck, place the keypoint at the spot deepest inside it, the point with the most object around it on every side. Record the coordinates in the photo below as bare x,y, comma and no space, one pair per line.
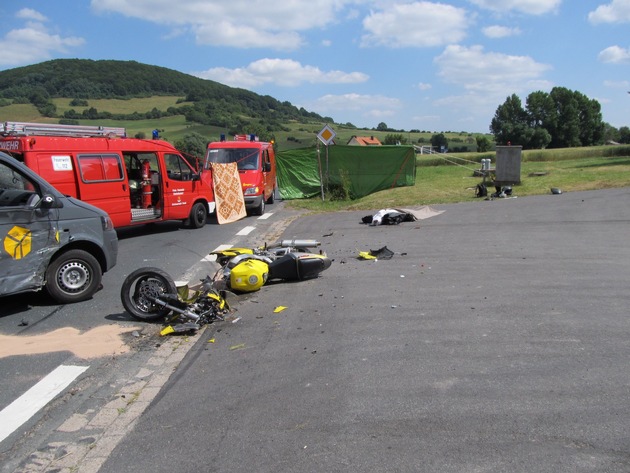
256,162
135,181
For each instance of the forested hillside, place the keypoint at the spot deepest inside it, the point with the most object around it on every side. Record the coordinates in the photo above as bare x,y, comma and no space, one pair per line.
202,101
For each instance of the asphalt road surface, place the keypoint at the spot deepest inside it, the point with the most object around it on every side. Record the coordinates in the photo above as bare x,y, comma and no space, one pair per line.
59,361
495,339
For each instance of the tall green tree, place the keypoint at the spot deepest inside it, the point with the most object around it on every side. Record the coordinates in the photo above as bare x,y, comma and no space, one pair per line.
590,120
439,141
559,119
540,109
566,130
483,143
510,123
394,139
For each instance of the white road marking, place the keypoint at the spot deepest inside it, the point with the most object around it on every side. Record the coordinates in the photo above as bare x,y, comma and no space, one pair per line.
210,258
25,406
246,231
265,216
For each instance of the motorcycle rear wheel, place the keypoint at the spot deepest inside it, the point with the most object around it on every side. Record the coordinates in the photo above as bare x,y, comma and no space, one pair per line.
140,287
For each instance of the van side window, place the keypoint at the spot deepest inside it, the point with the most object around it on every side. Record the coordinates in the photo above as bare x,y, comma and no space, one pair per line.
100,167
16,190
176,168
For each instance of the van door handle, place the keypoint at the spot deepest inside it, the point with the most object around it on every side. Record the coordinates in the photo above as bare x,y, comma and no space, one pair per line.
124,187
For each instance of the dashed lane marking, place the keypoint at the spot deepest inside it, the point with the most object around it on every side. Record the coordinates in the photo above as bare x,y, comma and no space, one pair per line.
211,257
246,231
25,406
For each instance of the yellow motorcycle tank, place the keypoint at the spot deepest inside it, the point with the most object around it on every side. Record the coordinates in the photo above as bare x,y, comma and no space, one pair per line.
249,275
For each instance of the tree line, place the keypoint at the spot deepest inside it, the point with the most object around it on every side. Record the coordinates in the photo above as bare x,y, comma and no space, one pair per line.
562,118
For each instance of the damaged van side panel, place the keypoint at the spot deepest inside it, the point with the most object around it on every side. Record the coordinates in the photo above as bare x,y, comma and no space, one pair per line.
28,245
39,225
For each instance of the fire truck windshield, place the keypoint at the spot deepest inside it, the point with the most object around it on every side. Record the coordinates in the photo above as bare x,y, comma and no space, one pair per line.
245,158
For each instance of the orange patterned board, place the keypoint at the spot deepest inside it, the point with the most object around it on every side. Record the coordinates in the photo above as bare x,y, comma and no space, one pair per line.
228,193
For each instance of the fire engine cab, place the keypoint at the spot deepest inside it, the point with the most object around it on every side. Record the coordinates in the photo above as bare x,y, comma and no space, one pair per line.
256,163
135,181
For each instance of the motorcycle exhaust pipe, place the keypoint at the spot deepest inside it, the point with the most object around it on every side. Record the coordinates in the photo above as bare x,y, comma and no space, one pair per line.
296,244
185,313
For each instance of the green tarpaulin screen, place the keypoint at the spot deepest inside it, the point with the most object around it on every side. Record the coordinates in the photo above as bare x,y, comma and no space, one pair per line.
362,170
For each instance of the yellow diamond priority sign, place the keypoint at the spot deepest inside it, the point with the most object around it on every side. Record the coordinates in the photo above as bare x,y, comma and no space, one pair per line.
326,135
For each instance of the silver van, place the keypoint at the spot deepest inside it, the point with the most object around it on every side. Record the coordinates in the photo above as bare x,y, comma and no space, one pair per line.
48,240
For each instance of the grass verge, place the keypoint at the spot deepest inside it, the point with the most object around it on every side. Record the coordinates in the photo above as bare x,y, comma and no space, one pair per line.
441,184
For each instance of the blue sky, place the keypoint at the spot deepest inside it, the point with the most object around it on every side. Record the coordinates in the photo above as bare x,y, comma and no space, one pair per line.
427,65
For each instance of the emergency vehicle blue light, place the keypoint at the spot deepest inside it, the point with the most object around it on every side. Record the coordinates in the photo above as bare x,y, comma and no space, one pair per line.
252,137
222,136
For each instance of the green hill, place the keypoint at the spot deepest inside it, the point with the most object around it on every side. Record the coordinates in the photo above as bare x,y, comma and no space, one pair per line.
88,83
142,97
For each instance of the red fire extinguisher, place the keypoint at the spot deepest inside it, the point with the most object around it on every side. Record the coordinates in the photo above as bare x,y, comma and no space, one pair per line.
146,184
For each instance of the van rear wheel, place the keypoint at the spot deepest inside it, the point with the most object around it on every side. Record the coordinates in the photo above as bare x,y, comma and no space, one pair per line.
73,276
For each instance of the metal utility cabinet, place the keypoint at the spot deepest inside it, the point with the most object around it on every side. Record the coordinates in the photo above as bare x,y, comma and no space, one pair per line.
508,165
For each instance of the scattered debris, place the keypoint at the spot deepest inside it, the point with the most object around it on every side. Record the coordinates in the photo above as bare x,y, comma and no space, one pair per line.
366,255
381,253
279,308
396,216
502,192
388,217
556,191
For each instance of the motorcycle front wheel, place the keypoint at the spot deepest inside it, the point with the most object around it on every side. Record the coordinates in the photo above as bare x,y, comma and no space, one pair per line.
141,288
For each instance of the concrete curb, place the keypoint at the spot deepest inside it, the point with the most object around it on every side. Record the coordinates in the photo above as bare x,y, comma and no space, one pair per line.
97,432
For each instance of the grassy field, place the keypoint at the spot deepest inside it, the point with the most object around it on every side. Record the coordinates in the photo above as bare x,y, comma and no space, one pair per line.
440,179
440,183
296,135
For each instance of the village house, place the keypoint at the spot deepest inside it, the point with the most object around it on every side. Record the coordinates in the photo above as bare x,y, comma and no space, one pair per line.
364,141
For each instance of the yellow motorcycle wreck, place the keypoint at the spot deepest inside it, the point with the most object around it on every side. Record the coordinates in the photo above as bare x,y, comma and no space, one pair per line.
247,269
149,294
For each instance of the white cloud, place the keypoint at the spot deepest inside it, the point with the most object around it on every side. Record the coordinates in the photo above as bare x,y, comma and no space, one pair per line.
226,33
372,107
621,84
486,78
423,86
530,7
237,23
418,24
497,31
486,72
33,43
618,11
282,72
615,55
30,14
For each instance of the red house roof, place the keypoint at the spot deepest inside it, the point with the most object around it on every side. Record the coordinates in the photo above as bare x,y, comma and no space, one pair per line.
364,141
